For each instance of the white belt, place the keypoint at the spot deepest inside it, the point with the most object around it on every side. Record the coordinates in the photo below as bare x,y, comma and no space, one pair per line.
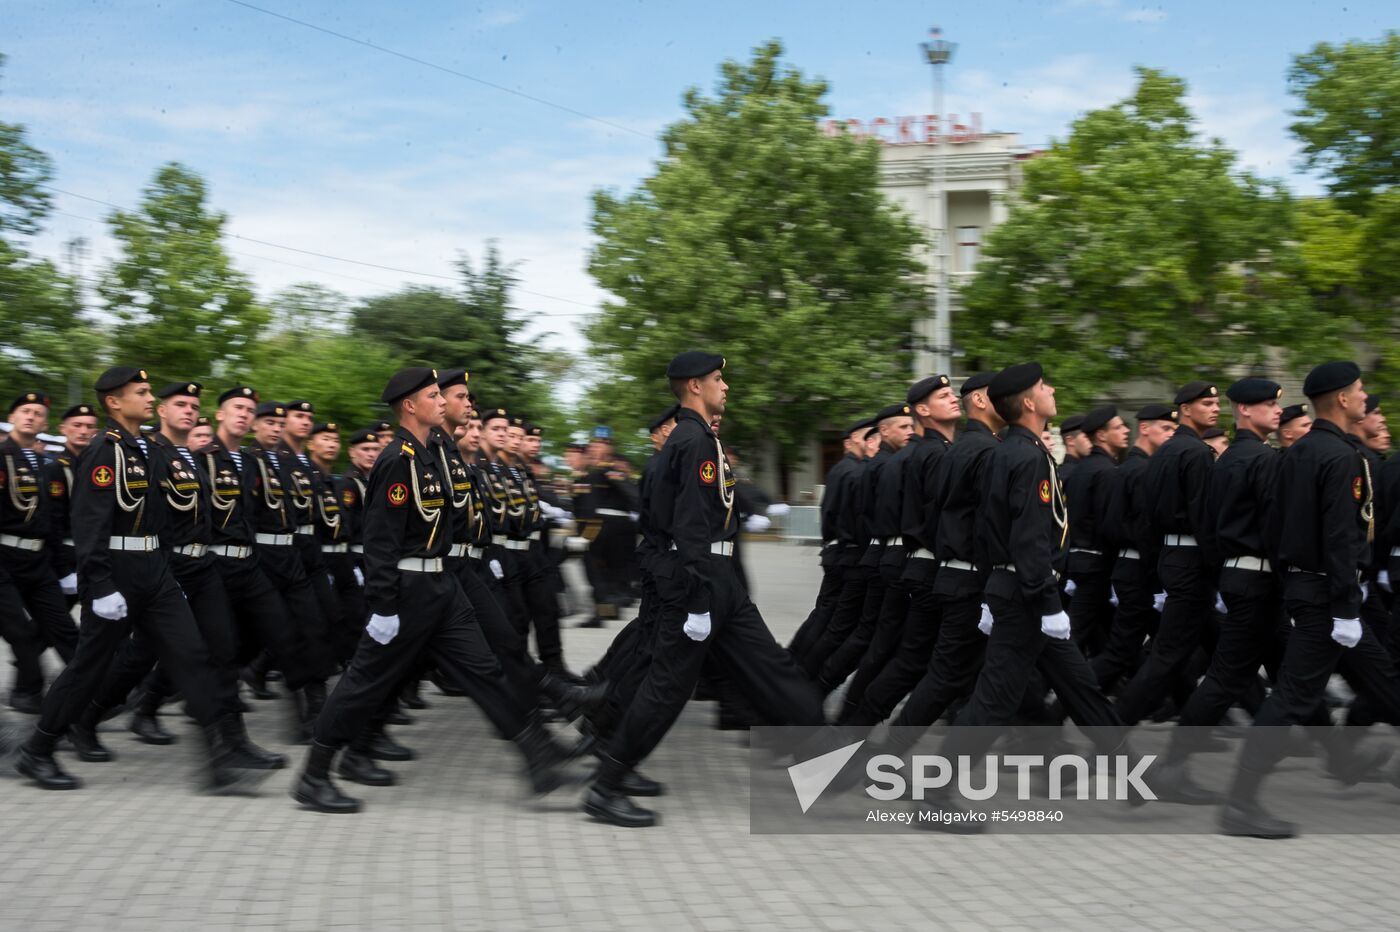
1011,568
305,529
516,544
421,564
139,544
612,513
1179,540
196,551
1395,551
21,543
232,551
457,551
534,535
273,540
1097,553
963,565
68,542
722,548
1257,564
922,554
335,548
1128,553
882,541
357,548
476,553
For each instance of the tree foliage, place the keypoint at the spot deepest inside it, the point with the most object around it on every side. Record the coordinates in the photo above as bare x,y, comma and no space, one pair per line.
1135,250
761,238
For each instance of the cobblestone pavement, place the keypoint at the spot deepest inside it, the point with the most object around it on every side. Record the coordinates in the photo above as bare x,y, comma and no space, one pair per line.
457,845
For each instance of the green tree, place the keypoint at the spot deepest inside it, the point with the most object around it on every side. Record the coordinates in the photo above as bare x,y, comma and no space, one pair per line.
183,311
1137,250
761,238
339,373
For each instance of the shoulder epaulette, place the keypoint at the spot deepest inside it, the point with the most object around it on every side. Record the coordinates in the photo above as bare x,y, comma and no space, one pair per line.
405,448
115,435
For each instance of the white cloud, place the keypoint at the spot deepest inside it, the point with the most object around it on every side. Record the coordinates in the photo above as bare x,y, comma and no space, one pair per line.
1144,15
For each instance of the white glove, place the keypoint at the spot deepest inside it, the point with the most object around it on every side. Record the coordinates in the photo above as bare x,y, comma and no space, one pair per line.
756,524
1365,591
1070,587
1382,580
984,624
1113,596
69,584
576,544
697,627
555,512
1055,626
359,576
111,607
382,627
1220,604
778,509
1159,601
496,570
330,578
1346,631
635,516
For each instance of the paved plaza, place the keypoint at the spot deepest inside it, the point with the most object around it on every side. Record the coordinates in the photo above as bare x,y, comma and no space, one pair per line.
458,845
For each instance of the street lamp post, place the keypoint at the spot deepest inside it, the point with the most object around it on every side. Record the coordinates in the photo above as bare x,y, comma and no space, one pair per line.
939,52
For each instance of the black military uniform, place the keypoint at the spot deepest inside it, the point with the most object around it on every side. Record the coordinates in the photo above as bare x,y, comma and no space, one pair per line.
305,492
1176,487
416,608
612,500
1325,538
126,584
707,611
333,533
58,483
1074,424
1091,554
532,570
33,612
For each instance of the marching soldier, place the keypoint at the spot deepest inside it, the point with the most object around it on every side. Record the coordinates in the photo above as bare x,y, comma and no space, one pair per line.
305,494
78,426
1091,556
1293,424
612,500
333,532
1076,442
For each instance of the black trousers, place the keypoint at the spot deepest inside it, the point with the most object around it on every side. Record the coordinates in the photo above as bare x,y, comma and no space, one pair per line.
1090,613
1183,628
18,628
1134,621
284,568
1015,648
349,601
855,580
36,592
819,617
509,646
263,619
886,637
739,641
910,663
1245,637
628,659
612,552
953,666
1308,663
157,611
843,660
541,601
436,619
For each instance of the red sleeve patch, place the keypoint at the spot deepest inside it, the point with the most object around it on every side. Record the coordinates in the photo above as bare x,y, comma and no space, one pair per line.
103,476
397,494
1045,491
708,472
1356,488
56,489
348,497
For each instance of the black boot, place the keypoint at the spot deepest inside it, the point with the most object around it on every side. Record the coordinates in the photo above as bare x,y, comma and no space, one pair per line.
398,716
380,746
607,801
229,770
147,727
28,703
36,762
1350,765
543,757
411,698
299,726
315,790
358,767
82,734
635,783
571,700
1242,814
256,683
255,757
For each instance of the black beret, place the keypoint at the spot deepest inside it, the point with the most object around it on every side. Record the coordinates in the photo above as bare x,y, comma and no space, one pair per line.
494,414
192,389
305,407
1252,391
1210,433
449,377
870,433
364,435
323,427
407,381
1156,412
239,391
925,387
579,446
78,411
1292,413
859,426
1193,390
517,422
693,364
117,376
889,411
534,430
1014,379
1072,425
668,415
1330,377
974,382
30,398
1098,418
382,427
270,409
1372,403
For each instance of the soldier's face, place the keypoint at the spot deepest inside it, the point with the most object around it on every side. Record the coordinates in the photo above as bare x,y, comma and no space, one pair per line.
530,446
1156,432
713,392
29,420
386,437
299,424
79,431
456,407
872,444
1372,424
896,431
180,412
1204,412
363,455
1289,433
1115,435
1381,442
134,402
268,430
325,446
471,435
201,435
514,437
428,406
1262,417
495,434
942,406
1077,443
236,415
1043,399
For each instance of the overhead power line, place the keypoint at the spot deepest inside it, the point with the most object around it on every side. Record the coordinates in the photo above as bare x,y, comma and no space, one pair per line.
443,68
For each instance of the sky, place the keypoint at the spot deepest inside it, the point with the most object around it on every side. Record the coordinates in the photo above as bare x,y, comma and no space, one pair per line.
323,144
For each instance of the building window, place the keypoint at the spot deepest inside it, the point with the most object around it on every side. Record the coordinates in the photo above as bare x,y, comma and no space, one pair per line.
969,248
